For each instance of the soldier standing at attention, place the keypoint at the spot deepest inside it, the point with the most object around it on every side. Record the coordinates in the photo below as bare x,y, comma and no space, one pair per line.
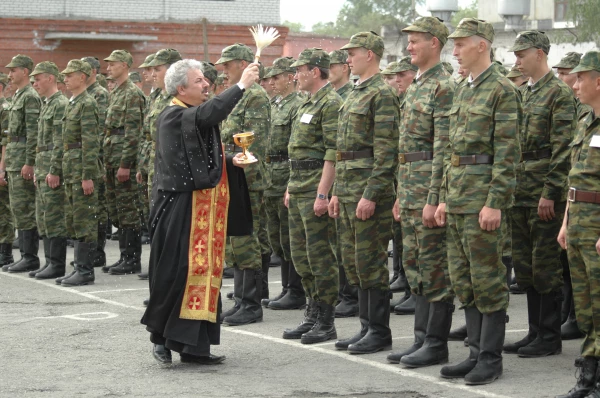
50,192
478,188
541,193
364,190
80,172
124,121
19,160
339,73
7,228
423,139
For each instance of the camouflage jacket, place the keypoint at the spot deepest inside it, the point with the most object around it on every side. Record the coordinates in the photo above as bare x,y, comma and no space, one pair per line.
585,158
424,127
314,132
282,116
4,105
23,115
252,113
158,105
49,141
582,110
345,90
484,120
80,129
368,120
125,111
100,94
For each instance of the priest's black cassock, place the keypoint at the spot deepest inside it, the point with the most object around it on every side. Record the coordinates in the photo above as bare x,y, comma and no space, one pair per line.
189,166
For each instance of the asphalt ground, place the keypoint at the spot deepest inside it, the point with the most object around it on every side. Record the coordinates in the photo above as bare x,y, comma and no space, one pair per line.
88,342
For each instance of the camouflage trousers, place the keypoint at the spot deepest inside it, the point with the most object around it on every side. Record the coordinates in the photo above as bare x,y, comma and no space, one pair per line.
263,234
278,226
507,237
537,256
102,211
364,244
583,231
245,251
397,236
22,200
424,258
80,213
475,263
144,203
151,155
312,253
7,228
50,210
122,200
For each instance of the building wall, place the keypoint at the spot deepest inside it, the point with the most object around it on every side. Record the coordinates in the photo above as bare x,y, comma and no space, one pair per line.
296,42
539,10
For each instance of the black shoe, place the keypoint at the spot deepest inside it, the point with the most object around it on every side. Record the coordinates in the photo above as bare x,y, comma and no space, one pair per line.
46,242
56,257
363,316
569,329
230,295
310,318
238,284
161,354
84,271
407,307
400,284
143,276
548,341
265,302
533,315
146,302
586,378
420,329
116,235
474,320
30,246
379,335
6,256
275,260
346,309
99,255
515,289
324,327
122,247
292,300
202,360
133,251
458,334
62,278
227,272
489,361
250,310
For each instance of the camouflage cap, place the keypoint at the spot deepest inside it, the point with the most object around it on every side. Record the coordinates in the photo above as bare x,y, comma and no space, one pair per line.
570,61
531,38
60,78
282,65
165,56
209,71
20,61
501,68
404,64
77,65
589,61
120,56
338,57
3,79
146,63
448,66
234,52
514,72
431,25
45,67
135,77
313,56
93,61
369,40
389,69
468,27
220,79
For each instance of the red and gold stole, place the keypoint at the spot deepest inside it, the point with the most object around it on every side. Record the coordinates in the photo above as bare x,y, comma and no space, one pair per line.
208,234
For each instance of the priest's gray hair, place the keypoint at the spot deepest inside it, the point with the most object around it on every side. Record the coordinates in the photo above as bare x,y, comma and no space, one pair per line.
177,74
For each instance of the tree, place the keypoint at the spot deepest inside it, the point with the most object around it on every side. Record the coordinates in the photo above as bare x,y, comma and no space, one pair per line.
294,26
467,12
584,13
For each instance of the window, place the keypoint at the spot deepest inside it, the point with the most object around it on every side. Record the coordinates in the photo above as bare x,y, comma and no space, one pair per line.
561,8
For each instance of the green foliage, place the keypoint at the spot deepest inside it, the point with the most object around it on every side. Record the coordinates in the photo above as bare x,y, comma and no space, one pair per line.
467,12
584,13
294,26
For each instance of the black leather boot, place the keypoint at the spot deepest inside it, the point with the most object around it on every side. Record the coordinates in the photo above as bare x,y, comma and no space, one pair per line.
379,335
348,305
133,252
294,297
266,259
19,240
116,235
161,354
310,318
567,287
108,229
275,260
548,341
31,245
401,283
408,306
435,347
238,284
458,334
489,362
84,271
533,315
474,320
250,309
6,256
122,247
508,263
363,316
569,330
285,270
99,255
57,259
46,242
587,377
396,301
420,329
227,272
324,327
514,288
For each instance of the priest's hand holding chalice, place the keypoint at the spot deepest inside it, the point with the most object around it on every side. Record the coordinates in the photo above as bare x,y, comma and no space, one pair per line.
244,140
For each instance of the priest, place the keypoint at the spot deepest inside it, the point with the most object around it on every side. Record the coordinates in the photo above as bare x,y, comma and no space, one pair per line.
196,191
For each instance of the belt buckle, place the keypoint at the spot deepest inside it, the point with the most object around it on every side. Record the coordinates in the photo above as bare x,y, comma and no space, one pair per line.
401,158
268,159
66,147
37,149
455,160
574,197
338,155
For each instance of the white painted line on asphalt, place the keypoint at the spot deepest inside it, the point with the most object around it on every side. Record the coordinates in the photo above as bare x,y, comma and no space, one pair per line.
116,290
86,316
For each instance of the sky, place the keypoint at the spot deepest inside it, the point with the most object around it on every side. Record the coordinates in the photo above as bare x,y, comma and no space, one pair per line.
309,12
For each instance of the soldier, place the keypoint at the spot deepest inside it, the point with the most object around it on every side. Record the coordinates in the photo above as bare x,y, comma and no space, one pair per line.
580,229
516,76
19,159
210,73
448,67
246,253
136,79
220,84
477,189
405,73
389,77
50,201
281,77
80,171
423,139
111,83
540,195
7,229
265,83
60,84
339,74
363,192
124,120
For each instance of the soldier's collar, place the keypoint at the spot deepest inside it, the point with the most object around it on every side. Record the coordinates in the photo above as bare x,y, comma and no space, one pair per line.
474,81
56,94
419,79
320,93
366,82
533,87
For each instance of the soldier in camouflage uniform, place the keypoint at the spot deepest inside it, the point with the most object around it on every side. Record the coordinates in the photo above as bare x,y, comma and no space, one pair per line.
580,230
124,121
283,111
389,77
136,79
7,228
478,187
81,170
19,158
210,73
540,196
423,138
364,190
247,253
111,83
339,73
516,76
50,193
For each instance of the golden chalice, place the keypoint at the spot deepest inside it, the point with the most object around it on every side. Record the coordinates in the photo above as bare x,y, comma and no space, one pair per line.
244,140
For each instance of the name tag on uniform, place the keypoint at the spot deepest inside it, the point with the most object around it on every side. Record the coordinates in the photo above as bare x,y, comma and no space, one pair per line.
306,118
595,142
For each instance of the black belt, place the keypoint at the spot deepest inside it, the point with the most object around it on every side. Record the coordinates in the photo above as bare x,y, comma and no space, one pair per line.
17,138
471,160
414,157
276,158
309,164
584,196
536,155
233,148
119,131
351,155
44,148
72,146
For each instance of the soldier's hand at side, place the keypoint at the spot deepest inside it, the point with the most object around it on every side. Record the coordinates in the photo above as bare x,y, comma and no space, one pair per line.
52,181
365,209
88,186
321,206
123,174
562,238
440,215
546,209
138,177
396,210
249,75
27,172
429,216
334,207
34,181
3,181
489,219
598,247
286,199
